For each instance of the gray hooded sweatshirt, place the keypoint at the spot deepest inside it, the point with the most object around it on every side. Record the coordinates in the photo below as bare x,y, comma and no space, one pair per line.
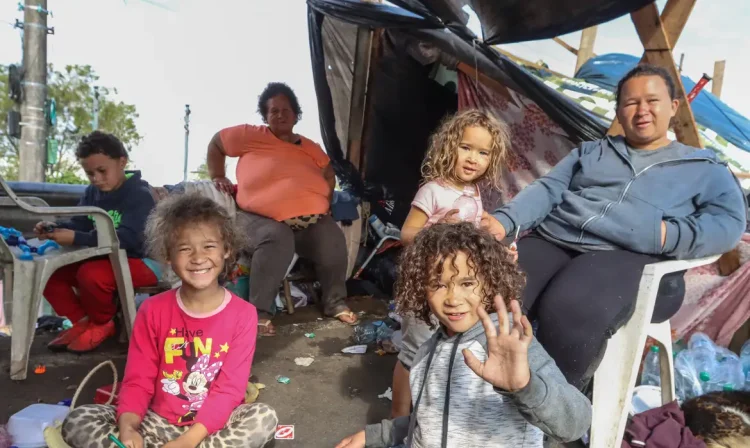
596,198
454,407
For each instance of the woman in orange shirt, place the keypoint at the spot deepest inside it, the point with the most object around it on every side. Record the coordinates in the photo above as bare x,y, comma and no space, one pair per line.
284,188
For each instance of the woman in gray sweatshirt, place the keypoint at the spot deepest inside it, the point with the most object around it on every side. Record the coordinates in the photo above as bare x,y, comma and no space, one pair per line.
503,389
608,209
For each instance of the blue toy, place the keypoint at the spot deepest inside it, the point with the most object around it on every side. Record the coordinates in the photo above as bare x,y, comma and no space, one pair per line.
14,238
49,244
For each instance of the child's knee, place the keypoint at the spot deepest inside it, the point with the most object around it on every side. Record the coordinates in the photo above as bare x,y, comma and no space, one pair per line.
84,423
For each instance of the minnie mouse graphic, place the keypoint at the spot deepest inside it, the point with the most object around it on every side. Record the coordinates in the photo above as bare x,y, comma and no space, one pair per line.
195,386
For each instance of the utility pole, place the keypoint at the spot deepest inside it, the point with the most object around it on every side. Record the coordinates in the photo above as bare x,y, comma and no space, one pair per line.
33,153
187,136
682,59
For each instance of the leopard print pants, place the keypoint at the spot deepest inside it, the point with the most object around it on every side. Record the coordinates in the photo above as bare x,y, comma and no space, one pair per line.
89,426
302,222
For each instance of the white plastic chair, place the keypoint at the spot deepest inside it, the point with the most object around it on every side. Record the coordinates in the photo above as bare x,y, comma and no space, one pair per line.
24,281
615,378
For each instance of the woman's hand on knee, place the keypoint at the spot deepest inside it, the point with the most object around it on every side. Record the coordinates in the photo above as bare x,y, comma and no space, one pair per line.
355,441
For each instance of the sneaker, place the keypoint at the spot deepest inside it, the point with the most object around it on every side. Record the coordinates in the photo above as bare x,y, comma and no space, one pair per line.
92,337
65,337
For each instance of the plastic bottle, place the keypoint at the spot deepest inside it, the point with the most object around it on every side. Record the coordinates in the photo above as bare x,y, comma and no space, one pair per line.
705,379
745,360
383,230
651,370
729,373
701,340
703,353
687,381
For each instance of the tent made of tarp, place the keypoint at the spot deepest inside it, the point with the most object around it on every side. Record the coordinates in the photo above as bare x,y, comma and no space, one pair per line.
413,84
606,70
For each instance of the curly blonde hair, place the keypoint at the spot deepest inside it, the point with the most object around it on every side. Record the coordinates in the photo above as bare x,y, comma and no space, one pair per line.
174,213
421,265
440,160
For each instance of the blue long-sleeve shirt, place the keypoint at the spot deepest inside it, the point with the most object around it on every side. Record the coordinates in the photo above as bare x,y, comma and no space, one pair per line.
129,206
596,199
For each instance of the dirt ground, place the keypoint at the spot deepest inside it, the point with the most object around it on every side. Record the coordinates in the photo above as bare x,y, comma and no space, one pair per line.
332,398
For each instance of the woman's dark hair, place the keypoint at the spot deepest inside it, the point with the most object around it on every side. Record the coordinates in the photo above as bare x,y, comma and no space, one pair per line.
176,212
99,142
278,88
421,266
647,70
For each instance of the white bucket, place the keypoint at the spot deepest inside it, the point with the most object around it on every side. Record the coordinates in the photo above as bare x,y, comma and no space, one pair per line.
26,427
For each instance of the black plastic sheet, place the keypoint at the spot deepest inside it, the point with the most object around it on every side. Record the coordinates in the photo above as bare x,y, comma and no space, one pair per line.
396,164
507,21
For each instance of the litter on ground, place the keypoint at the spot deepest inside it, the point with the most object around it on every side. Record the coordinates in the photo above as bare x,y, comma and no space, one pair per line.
355,350
387,394
304,361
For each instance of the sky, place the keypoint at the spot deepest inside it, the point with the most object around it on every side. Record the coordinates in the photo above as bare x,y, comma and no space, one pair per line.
218,56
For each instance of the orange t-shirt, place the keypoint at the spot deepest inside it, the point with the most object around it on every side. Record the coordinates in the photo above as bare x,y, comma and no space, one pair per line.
277,179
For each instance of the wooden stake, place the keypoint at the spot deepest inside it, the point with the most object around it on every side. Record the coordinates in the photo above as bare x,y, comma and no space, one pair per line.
568,47
652,33
673,19
523,61
718,80
586,49
358,96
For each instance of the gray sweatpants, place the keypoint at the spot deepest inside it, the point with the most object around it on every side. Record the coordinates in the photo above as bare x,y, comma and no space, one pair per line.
273,244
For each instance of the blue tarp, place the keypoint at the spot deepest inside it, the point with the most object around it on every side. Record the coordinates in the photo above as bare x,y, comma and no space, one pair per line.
606,70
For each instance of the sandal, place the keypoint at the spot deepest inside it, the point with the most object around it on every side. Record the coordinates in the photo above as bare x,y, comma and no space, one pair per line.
348,314
266,328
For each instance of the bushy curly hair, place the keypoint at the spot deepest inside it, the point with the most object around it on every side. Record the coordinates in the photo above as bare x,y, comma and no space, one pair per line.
278,88
176,212
440,160
99,142
421,265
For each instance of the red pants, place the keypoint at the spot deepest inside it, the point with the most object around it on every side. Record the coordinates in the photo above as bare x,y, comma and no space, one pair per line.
96,285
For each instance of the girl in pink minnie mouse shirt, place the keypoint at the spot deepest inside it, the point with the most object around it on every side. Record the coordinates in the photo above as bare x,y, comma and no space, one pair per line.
191,348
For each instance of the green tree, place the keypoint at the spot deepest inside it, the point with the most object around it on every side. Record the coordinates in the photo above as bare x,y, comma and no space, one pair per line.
201,173
73,91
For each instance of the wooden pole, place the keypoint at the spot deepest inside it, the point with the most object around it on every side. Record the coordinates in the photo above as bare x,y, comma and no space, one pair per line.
654,37
586,49
523,61
673,17
359,95
33,147
566,45
718,79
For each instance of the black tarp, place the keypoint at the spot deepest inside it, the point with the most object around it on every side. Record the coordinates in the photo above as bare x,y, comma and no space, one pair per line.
507,21
457,42
405,107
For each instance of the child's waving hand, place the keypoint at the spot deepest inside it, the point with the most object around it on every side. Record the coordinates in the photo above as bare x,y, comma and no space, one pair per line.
507,364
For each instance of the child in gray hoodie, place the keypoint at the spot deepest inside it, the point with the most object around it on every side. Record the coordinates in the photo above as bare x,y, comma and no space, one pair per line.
505,390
